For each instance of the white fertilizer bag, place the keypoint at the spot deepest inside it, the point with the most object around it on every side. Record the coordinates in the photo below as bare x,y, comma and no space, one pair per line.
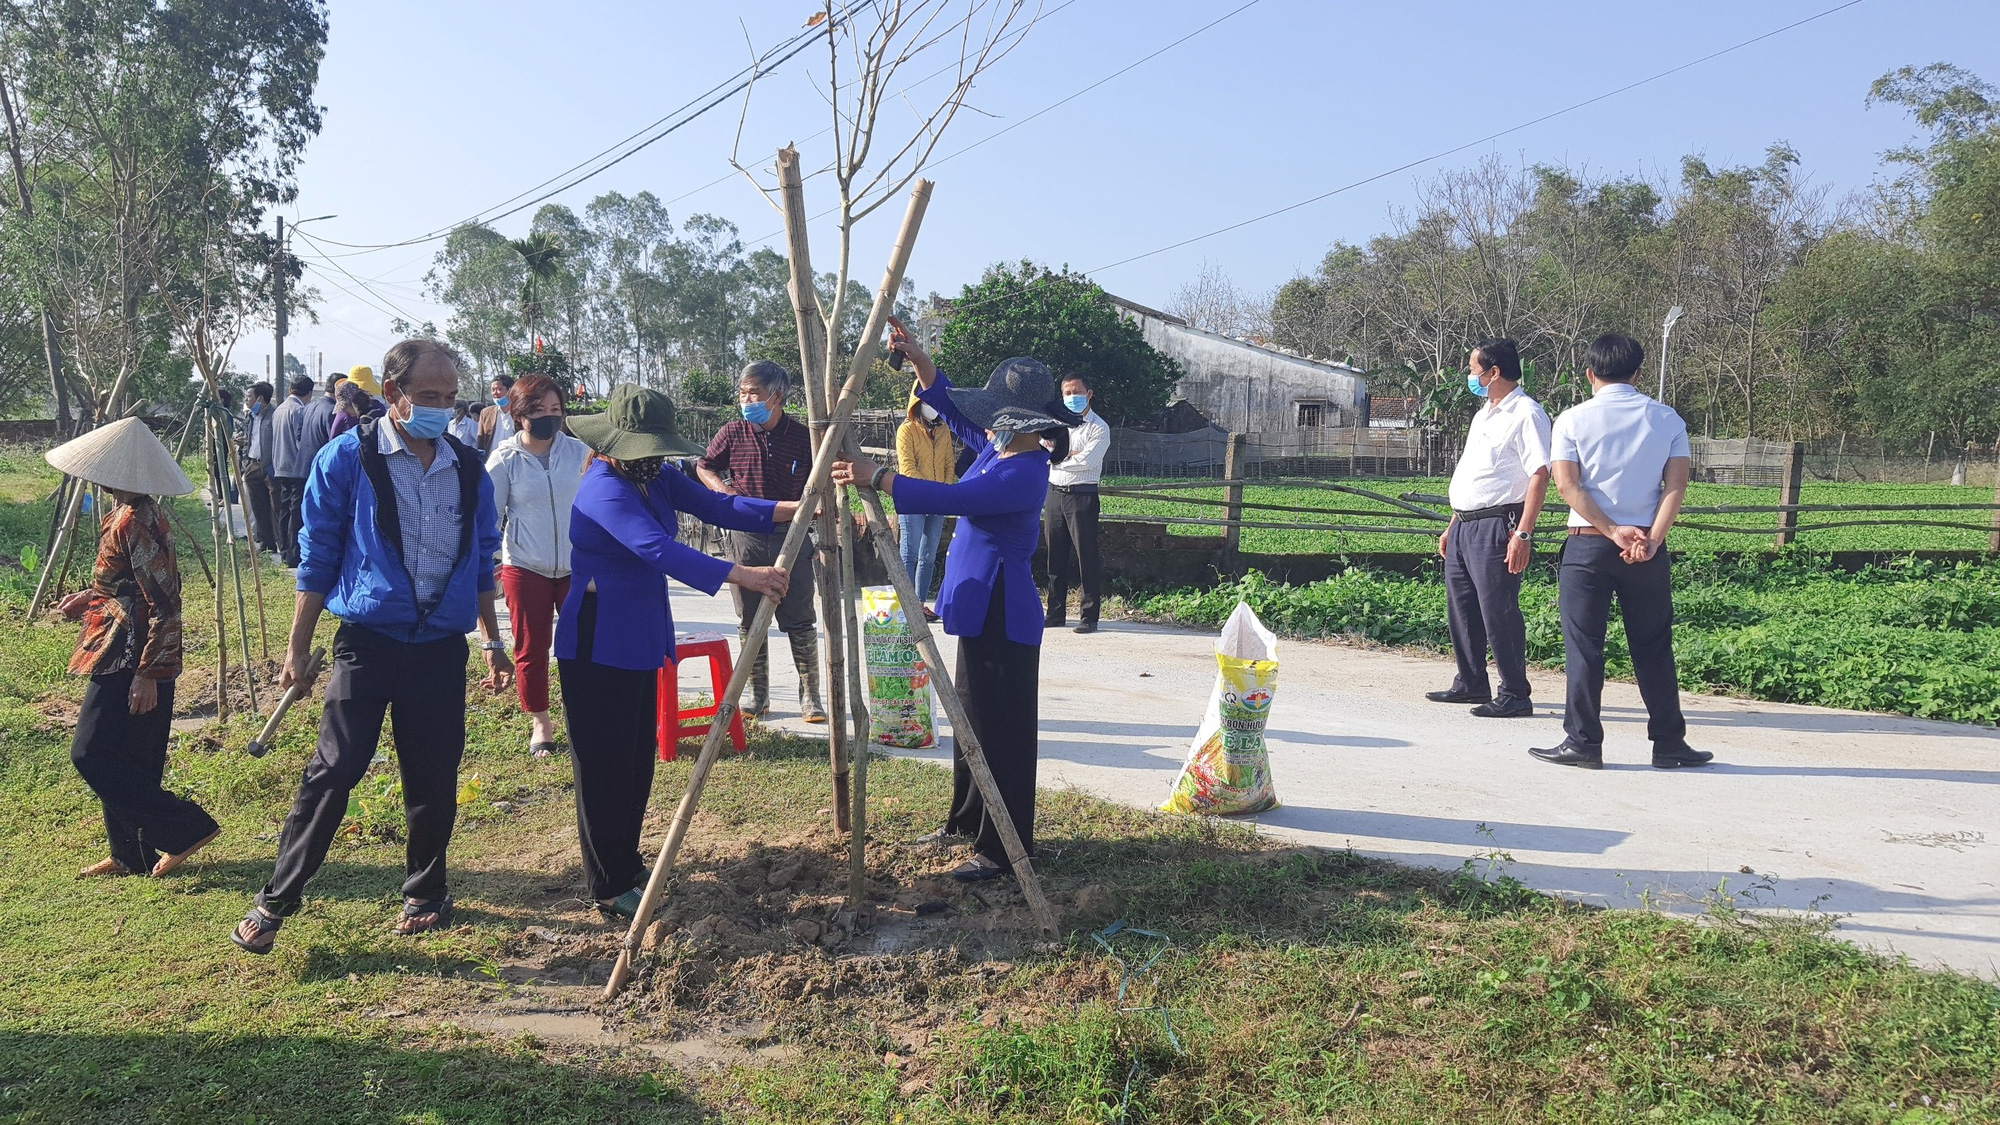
1228,769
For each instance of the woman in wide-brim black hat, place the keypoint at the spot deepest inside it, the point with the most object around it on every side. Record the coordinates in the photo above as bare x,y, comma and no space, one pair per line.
989,600
623,537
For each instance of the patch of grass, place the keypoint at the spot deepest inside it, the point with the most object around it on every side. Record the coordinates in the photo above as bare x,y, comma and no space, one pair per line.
1298,985
1914,638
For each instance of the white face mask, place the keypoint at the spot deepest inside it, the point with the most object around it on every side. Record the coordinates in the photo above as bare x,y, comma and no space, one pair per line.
929,412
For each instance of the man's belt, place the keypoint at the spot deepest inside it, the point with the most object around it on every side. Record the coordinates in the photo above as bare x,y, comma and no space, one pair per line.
1087,489
1488,513
1586,531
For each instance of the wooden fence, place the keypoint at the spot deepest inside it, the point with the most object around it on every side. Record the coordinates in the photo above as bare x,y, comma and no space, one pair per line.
1434,512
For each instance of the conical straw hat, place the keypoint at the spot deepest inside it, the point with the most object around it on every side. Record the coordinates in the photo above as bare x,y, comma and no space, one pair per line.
123,455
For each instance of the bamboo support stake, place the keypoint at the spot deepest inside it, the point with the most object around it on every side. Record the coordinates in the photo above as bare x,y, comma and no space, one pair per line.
966,743
822,471
256,563
75,502
815,371
221,633
218,476
857,838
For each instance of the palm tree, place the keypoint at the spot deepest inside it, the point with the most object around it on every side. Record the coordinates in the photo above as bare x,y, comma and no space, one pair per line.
543,255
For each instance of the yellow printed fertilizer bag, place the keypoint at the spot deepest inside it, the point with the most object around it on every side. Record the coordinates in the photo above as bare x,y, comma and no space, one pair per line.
1228,769
899,682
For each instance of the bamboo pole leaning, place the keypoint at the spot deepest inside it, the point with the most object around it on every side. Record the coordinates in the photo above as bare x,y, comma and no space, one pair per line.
816,483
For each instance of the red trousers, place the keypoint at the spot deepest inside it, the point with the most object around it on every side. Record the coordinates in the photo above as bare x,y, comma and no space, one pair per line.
531,610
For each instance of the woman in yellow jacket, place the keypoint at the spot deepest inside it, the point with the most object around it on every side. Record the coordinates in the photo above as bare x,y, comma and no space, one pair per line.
923,452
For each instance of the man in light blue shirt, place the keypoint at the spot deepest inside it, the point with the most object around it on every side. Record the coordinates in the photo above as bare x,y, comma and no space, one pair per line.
1621,463
291,461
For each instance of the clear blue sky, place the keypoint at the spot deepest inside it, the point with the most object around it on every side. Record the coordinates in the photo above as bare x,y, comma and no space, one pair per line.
437,110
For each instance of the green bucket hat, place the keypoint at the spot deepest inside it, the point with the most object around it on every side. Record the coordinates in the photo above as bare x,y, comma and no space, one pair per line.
637,423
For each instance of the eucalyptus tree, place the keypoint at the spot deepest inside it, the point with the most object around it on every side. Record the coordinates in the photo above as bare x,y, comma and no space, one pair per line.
148,119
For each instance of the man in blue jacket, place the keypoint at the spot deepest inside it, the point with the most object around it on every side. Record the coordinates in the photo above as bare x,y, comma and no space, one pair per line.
398,542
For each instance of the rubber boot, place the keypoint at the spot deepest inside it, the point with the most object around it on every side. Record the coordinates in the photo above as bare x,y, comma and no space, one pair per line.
805,655
759,704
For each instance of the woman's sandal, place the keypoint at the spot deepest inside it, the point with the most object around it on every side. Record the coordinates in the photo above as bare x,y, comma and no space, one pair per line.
438,911
104,867
257,932
544,749
168,863
978,869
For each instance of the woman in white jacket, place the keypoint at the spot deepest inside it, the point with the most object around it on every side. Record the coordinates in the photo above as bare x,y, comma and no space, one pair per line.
535,476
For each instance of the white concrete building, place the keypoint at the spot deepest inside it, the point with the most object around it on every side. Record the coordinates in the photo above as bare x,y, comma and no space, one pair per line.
1246,388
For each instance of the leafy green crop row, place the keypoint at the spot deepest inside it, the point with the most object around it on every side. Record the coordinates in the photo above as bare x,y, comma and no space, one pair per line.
1904,534
1914,638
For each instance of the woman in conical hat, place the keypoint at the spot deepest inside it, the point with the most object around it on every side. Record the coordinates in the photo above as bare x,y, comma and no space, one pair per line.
131,650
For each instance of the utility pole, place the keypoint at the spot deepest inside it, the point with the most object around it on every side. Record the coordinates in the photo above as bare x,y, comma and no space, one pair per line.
278,299
1666,333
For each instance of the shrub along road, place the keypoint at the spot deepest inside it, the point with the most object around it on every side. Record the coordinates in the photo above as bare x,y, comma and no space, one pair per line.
1891,823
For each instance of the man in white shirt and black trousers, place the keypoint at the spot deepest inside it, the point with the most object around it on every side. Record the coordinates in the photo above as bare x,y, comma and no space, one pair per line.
1069,525
1497,492
1621,462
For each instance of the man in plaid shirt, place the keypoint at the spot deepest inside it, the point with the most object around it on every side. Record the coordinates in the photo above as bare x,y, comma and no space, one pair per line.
768,455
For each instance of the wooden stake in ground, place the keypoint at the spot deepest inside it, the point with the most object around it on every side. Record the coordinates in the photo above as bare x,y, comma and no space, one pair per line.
816,375
822,470
954,708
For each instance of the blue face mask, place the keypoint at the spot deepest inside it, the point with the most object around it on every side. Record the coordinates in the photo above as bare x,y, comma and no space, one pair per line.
502,401
1077,403
427,422
756,413
256,408
1472,384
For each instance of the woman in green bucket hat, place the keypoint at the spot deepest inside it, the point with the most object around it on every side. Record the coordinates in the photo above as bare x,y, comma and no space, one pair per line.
623,538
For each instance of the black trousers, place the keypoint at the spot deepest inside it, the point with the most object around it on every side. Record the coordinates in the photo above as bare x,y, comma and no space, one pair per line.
287,498
999,680
613,743
263,513
422,689
123,758
1483,607
1069,529
1592,570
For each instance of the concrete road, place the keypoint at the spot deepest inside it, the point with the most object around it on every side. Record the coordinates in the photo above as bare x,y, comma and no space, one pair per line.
1893,824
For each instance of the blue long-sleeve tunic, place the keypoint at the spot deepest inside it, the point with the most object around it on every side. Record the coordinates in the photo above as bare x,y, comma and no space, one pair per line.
999,502
624,542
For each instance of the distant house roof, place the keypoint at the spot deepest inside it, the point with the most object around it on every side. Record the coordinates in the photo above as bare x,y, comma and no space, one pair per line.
1392,408
1142,310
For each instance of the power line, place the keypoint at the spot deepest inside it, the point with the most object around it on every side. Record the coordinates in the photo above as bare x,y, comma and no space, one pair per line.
765,65
1053,105
1441,154
1436,155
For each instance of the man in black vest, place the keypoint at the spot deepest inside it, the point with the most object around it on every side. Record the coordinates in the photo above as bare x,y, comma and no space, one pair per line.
398,542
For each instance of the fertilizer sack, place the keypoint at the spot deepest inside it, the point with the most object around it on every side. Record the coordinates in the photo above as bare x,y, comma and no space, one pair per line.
899,682
1228,769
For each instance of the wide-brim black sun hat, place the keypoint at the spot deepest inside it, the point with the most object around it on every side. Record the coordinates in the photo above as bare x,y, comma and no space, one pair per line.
1022,396
637,423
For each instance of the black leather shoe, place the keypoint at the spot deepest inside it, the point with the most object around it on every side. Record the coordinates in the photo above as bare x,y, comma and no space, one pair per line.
1680,757
1054,622
1567,754
1453,695
1519,709
1085,627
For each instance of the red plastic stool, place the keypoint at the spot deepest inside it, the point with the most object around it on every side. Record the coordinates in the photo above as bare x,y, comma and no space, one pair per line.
676,724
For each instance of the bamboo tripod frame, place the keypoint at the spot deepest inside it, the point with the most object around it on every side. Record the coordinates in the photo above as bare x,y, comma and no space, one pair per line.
818,489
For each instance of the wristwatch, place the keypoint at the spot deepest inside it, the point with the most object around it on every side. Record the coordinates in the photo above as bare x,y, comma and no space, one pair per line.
1525,536
494,646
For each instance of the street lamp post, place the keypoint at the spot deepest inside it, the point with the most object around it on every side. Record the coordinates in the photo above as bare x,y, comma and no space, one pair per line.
1666,331
278,295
